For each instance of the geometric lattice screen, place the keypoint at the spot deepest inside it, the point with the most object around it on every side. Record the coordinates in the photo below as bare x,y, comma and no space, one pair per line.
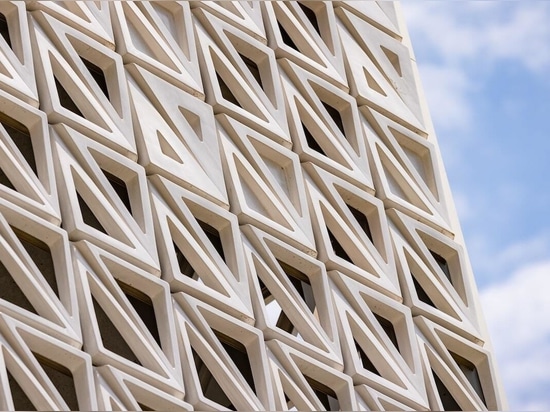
233,205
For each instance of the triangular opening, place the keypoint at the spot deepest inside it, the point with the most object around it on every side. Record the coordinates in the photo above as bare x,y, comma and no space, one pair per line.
443,265
227,94
421,293
5,180
65,99
98,74
4,29
62,378
290,405
138,40
372,83
185,267
251,199
74,8
447,400
167,17
120,188
167,149
274,312
278,171
21,136
335,115
470,371
337,247
143,305
231,8
399,187
115,406
311,141
111,337
41,255
238,354
326,395
209,385
419,156
365,360
214,237
253,68
144,407
286,38
394,60
301,283
362,220
10,291
388,328
88,216
194,121
21,401
311,16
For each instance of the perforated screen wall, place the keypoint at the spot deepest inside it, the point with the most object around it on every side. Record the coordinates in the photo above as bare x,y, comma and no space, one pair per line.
227,205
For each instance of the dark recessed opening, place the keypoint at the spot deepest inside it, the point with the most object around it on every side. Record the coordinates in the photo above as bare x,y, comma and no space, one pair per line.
311,141
21,401
88,216
470,371
120,188
41,255
421,293
21,136
184,265
227,94
388,328
238,354
98,74
209,385
362,220
10,291
311,16
365,360
325,394
286,38
5,180
444,266
62,378
111,337
283,322
145,407
253,68
301,283
65,99
337,247
214,236
144,307
447,400
4,29
336,116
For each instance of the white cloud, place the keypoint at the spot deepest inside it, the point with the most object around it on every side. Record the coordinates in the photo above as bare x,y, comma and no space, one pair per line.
517,313
462,47
461,44
446,89
470,32
497,264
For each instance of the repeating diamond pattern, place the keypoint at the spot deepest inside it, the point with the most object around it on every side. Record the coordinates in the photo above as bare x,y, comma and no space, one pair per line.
227,205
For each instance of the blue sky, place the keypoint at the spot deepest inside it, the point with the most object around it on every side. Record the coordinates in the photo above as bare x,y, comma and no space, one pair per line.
485,69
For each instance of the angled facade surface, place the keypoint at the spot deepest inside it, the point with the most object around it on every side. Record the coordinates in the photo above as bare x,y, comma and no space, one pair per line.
227,205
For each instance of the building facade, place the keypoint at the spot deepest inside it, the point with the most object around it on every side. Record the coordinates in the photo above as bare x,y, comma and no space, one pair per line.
227,205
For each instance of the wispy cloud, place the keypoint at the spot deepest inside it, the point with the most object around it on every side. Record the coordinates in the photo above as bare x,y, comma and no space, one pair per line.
460,44
483,33
468,51
517,313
